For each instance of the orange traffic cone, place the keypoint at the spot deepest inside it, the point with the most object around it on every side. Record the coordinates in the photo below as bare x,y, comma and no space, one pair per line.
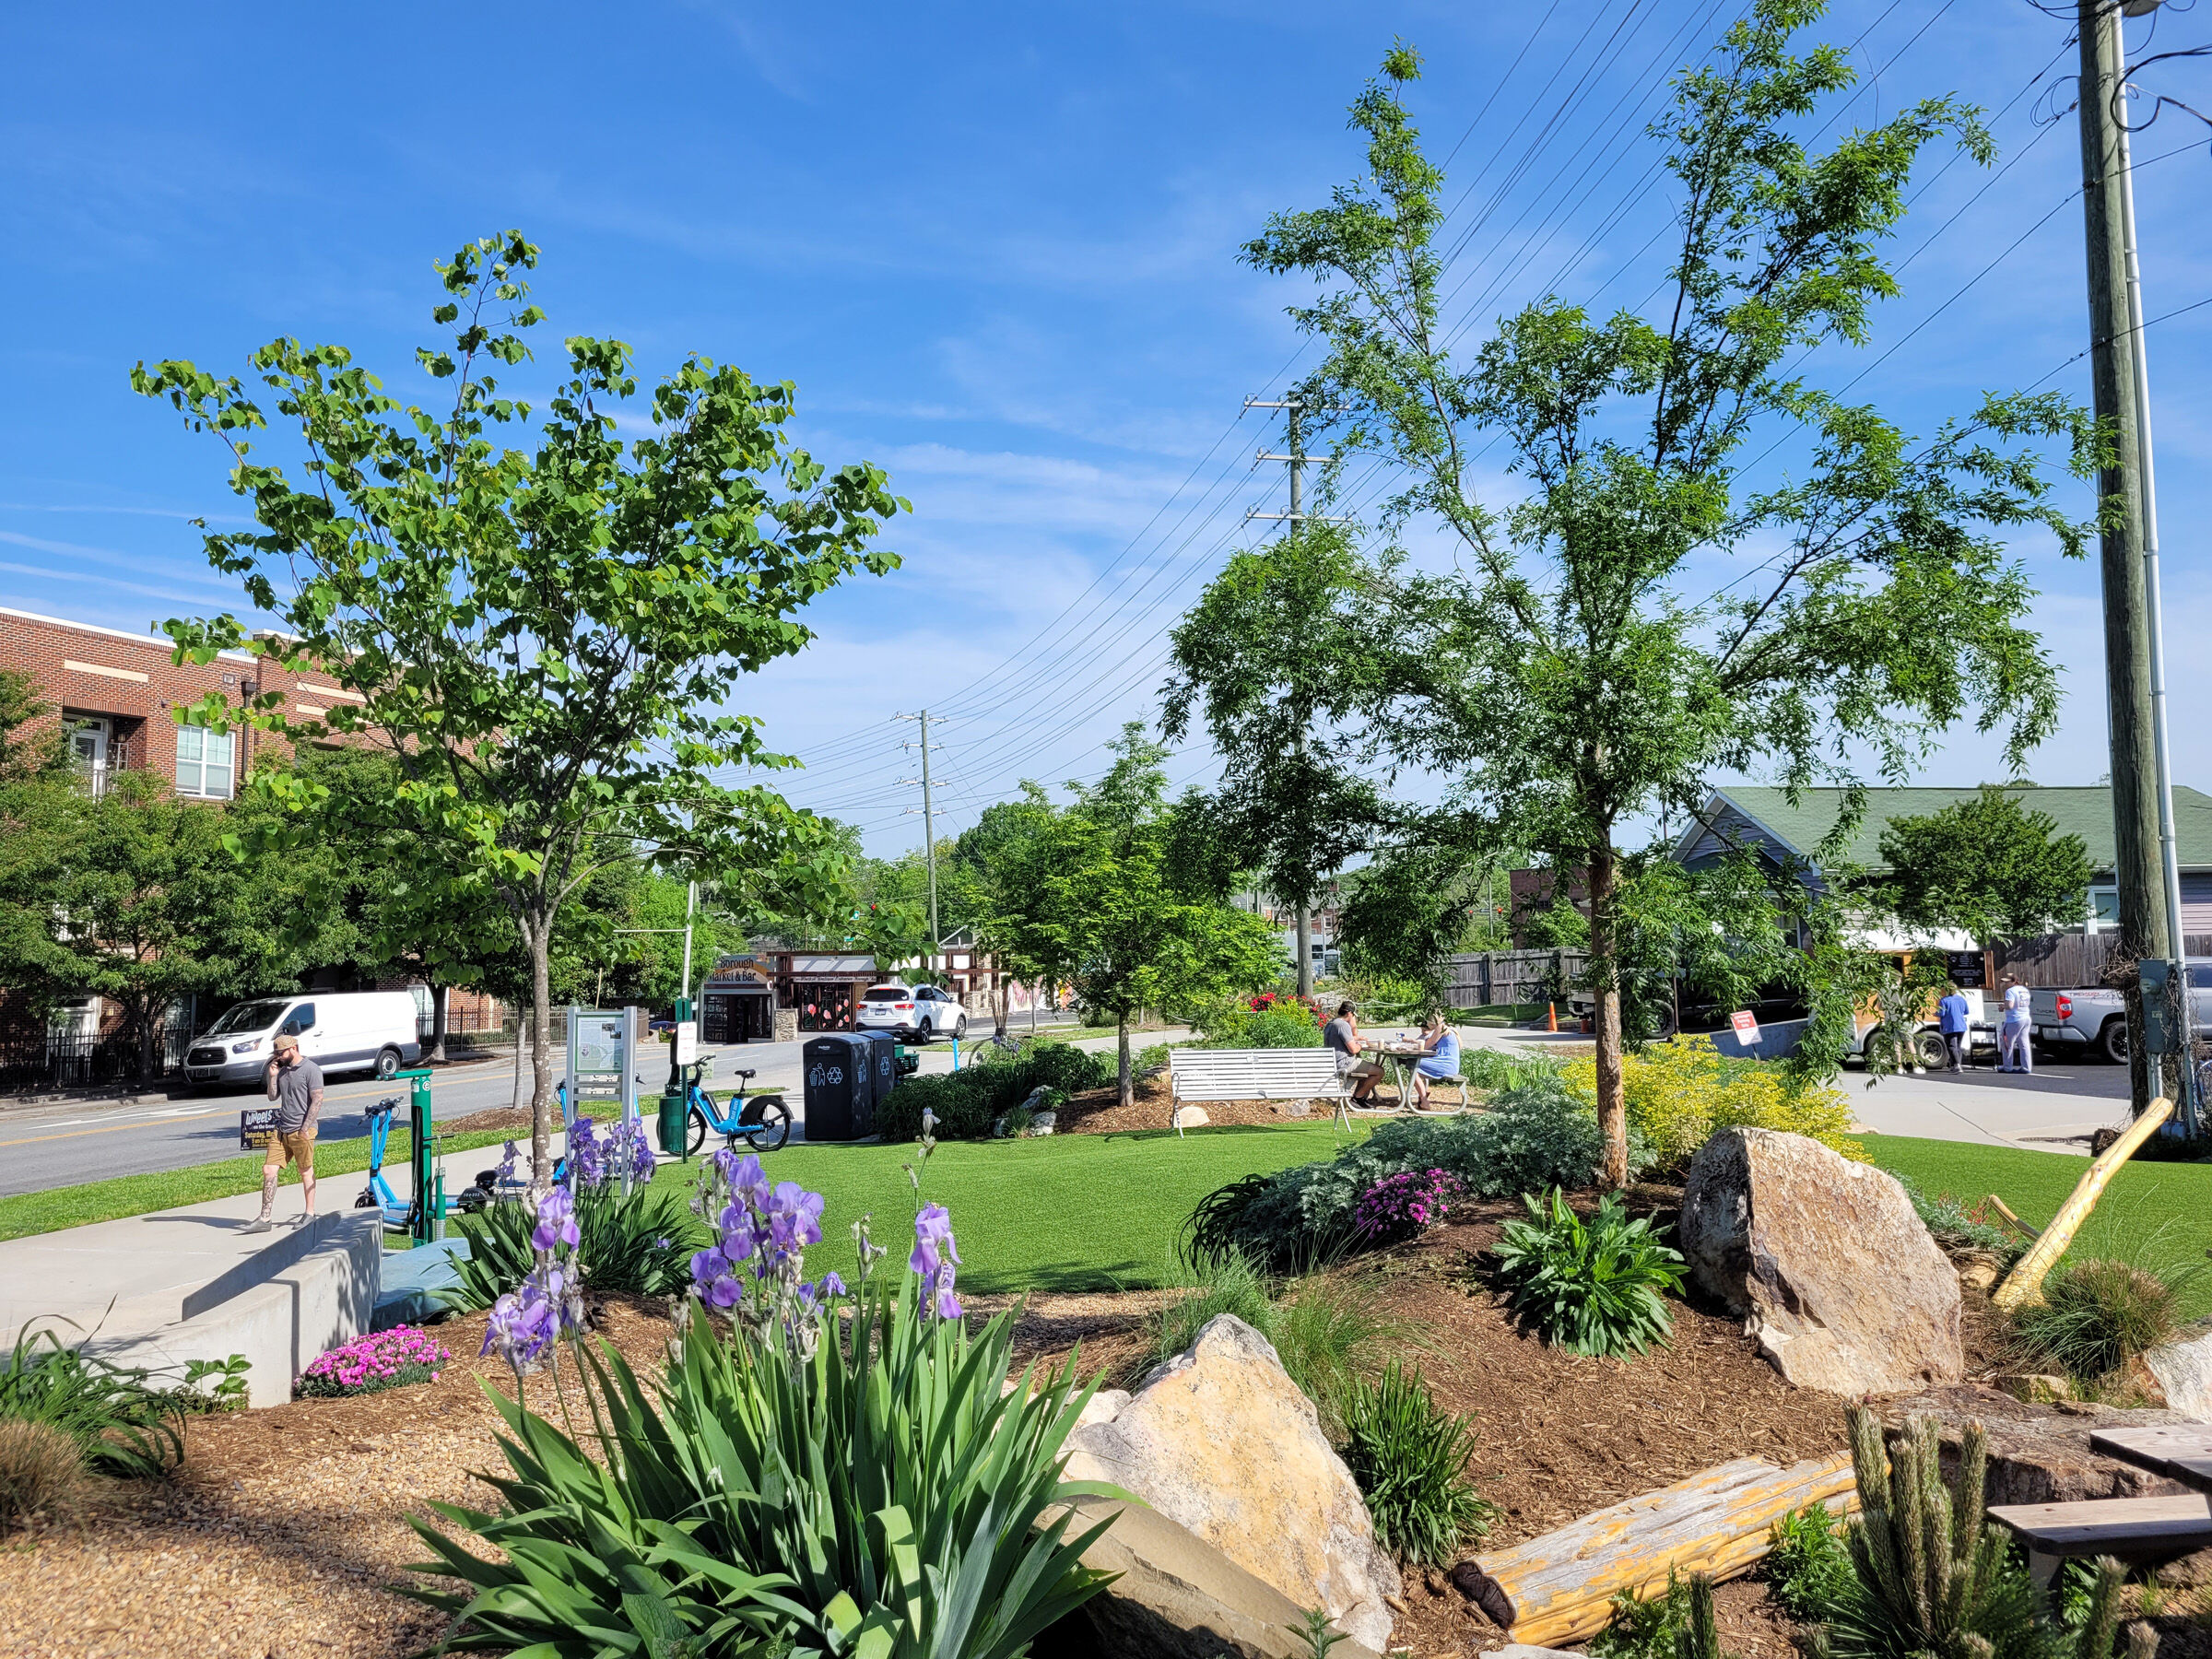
1551,1017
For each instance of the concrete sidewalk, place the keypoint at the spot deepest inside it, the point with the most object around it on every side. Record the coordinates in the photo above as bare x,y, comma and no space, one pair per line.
192,1282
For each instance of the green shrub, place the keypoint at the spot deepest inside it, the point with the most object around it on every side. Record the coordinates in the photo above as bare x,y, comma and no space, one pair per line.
1809,1563
1536,1135
1409,1456
2096,1315
1958,1226
1595,1286
1493,1070
640,1242
848,1482
119,1420
1652,1628
1280,1024
966,1103
1680,1091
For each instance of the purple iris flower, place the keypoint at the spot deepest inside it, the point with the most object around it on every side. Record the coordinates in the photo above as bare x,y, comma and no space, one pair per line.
934,1244
708,1266
748,1180
556,1220
529,1318
830,1284
793,1215
724,1292
948,1305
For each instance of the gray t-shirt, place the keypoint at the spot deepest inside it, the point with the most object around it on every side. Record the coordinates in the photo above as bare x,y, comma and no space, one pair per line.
293,1089
1337,1034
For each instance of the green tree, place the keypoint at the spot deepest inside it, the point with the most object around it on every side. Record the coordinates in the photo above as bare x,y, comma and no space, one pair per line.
1089,898
1989,867
1576,664
1272,658
543,638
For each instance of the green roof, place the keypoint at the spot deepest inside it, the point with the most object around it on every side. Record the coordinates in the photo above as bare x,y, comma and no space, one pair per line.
2084,812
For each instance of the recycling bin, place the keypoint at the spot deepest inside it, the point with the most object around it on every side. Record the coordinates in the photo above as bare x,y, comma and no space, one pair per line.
836,1070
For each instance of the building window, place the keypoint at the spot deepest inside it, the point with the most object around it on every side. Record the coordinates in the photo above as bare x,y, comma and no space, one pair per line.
2104,908
204,766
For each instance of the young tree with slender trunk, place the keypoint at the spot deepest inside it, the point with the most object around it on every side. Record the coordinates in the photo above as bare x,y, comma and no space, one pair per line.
1634,616
541,638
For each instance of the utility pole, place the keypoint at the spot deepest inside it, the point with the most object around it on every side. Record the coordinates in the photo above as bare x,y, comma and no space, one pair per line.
2134,684
929,832
1294,408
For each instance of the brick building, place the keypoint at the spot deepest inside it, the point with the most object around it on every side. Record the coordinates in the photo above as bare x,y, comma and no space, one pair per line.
112,693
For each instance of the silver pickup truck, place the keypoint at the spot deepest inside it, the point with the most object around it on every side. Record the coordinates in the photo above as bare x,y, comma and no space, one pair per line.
2096,1017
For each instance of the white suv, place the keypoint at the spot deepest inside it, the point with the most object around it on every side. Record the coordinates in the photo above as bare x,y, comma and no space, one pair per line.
921,1012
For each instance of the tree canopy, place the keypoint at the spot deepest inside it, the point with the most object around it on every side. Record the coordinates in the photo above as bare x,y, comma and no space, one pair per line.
544,638
1989,867
1635,613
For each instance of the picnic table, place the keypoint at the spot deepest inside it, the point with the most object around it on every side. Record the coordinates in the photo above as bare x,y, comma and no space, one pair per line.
1400,1059
2134,1529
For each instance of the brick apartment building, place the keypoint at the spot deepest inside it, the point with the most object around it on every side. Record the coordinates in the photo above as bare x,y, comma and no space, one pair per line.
112,693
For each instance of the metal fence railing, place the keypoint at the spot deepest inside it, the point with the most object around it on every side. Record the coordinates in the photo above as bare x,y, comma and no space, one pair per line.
50,1060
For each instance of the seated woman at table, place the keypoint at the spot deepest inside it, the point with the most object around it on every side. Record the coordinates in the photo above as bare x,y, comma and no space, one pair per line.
1440,1057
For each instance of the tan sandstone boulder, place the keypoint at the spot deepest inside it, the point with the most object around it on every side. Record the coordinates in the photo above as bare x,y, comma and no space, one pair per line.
1825,1260
2184,1370
1222,1443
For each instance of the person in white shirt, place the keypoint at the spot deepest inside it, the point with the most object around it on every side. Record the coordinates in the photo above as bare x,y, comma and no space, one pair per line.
2015,1052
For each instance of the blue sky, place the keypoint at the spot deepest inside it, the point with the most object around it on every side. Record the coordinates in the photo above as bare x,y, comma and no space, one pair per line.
995,250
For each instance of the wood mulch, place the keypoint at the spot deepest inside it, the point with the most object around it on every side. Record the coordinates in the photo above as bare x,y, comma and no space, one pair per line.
1099,1111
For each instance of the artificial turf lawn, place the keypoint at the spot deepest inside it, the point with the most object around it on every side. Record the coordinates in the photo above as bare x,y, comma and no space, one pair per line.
121,1196
1060,1212
2156,1215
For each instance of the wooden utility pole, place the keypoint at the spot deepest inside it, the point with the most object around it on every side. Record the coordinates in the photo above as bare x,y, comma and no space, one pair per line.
2144,929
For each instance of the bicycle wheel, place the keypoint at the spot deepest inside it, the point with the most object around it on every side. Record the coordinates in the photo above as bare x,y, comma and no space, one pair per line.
695,1132
772,1127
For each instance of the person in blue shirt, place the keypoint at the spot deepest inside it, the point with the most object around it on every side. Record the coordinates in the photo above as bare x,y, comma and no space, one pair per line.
1953,1014
1440,1057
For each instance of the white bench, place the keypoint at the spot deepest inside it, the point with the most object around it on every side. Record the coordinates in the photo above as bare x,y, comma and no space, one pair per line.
1299,1073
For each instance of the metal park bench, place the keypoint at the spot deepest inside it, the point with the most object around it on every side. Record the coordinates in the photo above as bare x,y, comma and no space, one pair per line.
1200,1074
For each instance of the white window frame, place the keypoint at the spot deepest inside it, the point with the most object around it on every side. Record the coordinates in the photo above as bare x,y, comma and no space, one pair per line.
193,769
2090,923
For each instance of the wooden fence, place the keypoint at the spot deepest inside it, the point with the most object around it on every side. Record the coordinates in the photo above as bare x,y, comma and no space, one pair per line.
1494,978
2067,959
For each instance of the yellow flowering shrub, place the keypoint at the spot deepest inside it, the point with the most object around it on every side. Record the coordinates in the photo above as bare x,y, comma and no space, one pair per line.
1679,1092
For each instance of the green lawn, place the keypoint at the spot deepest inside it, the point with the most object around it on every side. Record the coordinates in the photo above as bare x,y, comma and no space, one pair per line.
2153,1213
28,1213
1064,1212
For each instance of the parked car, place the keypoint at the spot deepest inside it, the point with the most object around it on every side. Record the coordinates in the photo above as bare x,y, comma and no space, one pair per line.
921,1012
358,1031
2095,1016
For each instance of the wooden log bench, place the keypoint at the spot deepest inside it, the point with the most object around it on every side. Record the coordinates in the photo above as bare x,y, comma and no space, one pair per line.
1196,1076
1559,1588
2129,1529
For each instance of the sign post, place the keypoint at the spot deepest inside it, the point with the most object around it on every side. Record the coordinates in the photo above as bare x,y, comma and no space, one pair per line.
1746,1028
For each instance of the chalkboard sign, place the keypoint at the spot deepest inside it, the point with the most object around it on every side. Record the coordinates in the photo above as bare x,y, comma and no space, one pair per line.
1967,968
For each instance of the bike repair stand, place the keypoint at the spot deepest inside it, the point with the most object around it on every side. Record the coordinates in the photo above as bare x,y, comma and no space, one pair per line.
425,1213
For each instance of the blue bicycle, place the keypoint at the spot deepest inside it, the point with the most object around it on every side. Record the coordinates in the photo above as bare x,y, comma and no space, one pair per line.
762,1121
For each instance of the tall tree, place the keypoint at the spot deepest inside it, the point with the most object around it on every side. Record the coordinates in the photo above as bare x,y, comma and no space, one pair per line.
1639,617
1988,868
1089,898
540,637
1273,658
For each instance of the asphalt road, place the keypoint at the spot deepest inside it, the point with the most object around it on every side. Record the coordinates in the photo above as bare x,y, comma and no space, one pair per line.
63,1143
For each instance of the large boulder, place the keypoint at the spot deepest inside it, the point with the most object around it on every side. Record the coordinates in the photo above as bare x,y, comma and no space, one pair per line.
1826,1262
2184,1368
1176,1598
1222,1443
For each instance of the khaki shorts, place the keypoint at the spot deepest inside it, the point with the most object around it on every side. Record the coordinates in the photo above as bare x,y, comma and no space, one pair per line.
291,1148
1351,1066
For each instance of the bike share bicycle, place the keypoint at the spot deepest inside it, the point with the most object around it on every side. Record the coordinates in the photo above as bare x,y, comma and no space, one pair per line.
762,1121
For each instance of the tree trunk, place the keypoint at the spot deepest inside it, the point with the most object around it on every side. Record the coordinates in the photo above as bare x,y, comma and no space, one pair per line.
1612,1077
540,933
1127,1093
435,1054
998,1004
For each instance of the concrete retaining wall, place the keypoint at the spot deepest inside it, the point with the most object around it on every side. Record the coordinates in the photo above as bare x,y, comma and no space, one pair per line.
321,1296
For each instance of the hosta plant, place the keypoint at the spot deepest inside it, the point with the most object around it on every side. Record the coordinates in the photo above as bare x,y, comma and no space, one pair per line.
819,1471
1597,1287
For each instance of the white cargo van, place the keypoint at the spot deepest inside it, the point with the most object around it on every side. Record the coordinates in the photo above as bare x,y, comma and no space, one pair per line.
355,1031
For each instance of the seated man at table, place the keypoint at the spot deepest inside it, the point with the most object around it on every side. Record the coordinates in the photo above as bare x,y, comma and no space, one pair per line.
1342,1034
1440,1057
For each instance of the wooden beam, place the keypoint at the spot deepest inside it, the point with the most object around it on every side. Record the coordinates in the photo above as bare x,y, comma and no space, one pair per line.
1561,1587
2024,1282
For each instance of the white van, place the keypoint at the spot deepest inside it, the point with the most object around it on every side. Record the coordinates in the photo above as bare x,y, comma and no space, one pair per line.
357,1031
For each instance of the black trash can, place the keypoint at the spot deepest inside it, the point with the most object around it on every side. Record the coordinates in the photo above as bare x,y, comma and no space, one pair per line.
839,1092
884,1050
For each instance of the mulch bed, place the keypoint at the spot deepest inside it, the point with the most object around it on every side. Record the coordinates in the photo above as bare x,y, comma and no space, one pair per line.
285,1532
1100,1111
